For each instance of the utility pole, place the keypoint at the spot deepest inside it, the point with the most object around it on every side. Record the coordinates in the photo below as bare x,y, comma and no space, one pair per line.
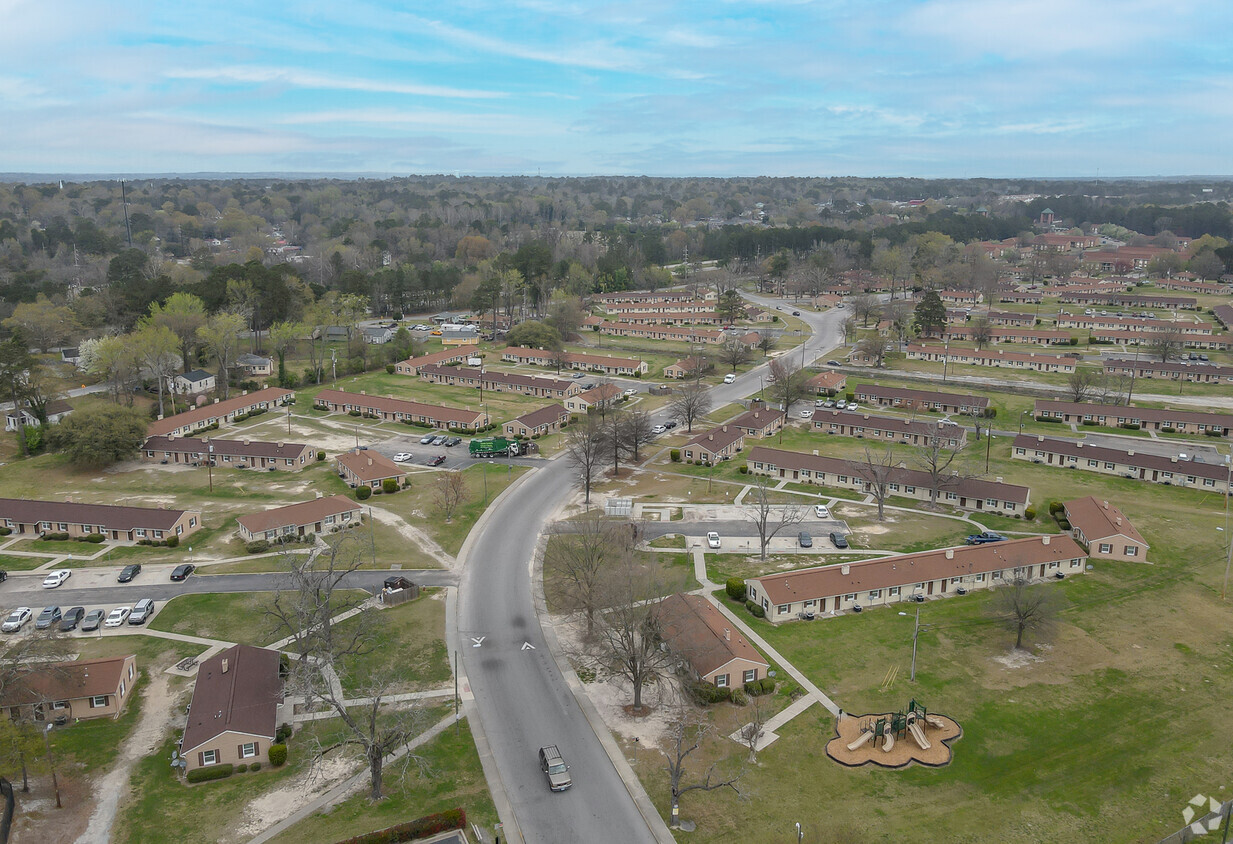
124,201
55,783
372,538
915,636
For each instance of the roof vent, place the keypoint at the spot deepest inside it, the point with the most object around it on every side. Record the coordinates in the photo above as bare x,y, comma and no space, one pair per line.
1044,540
845,568
950,553
727,635
225,666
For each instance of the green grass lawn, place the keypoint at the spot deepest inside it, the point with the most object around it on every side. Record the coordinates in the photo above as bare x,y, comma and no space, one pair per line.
453,778
11,563
230,617
407,643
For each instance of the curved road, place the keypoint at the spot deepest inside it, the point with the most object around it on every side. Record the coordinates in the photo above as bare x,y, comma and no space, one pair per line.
521,698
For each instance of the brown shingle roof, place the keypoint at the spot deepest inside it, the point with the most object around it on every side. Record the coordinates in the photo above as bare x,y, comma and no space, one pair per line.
234,448
1098,519
370,466
218,410
543,416
717,439
303,513
243,697
67,680
106,516
436,412
699,632
603,392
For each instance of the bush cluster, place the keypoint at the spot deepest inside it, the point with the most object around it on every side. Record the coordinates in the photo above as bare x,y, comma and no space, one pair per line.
675,455
744,470
285,731
1056,507
1063,524
755,609
1029,513
389,486
57,537
418,828
258,546
160,543
1091,423
214,772
277,754
706,694
4,531
363,493
1130,426
736,588
760,687
1211,433
389,369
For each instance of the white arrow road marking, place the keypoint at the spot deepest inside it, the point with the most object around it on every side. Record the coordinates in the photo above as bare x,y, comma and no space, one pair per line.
478,640
527,646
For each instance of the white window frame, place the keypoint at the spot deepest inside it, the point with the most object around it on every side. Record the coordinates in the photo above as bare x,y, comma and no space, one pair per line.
721,681
750,675
248,750
98,701
209,757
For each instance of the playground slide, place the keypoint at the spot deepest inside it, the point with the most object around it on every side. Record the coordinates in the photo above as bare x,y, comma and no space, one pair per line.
888,742
935,722
919,735
864,737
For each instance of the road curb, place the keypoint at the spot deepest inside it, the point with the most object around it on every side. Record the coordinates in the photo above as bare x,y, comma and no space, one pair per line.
633,785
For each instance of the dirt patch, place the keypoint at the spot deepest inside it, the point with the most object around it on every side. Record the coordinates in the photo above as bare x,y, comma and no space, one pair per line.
141,465
419,537
281,803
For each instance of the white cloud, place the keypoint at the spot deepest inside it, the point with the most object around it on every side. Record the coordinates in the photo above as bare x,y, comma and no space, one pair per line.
308,79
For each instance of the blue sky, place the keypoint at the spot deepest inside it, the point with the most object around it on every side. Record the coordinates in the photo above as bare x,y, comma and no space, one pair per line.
928,88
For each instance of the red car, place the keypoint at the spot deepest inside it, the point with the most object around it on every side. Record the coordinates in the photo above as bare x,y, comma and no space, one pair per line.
437,461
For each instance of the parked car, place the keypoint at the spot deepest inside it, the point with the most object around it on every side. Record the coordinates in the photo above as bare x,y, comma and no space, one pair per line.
17,619
129,572
807,413
56,578
117,617
838,539
437,461
71,619
452,441
841,405
821,511
796,313
834,362
853,406
630,392
578,375
670,425
712,539
553,765
182,572
659,429
440,439
984,538
48,617
427,438
4,575
1203,358
804,539
91,620
730,378
828,403
142,610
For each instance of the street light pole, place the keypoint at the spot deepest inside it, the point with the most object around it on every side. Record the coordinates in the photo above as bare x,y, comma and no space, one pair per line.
52,763
1021,415
915,636
988,447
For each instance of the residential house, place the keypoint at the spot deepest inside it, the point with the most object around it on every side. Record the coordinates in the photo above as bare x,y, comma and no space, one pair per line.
221,412
1189,286
499,381
826,383
670,333
593,399
240,454
1148,418
961,297
254,366
759,420
377,335
465,336
687,367
1021,297
891,580
1126,463
1224,315
1155,326
1104,530
953,490
1199,373
71,356
320,515
538,423
712,446
57,409
993,357
192,383
923,432
910,399
412,366
237,705
1128,300
123,524
73,691
574,360
401,410
996,334
698,633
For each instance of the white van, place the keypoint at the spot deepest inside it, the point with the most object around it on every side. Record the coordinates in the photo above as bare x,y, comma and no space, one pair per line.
730,378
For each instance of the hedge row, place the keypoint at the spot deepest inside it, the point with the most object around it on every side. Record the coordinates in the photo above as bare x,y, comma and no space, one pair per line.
760,687
418,828
213,772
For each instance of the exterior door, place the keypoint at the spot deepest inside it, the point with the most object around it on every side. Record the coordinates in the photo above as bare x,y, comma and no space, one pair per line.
929,588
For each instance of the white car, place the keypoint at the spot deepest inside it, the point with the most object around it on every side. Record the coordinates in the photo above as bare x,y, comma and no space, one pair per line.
712,539
821,511
117,617
853,406
659,429
402,457
17,619
56,578
730,378
806,413
631,392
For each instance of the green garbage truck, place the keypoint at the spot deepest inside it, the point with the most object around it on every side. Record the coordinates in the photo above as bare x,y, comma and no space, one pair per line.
494,447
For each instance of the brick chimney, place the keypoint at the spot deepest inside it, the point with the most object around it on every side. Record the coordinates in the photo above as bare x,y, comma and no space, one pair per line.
845,569
1044,540
225,664
950,553
727,635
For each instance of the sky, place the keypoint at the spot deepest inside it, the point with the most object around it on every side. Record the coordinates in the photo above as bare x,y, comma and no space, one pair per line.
925,88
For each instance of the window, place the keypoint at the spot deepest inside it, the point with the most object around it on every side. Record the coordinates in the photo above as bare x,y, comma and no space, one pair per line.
850,597
248,751
1020,451
894,591
874,594
1132,551
131,671
1109,466
59,704
1106,548
992,502
781,609
209,757
192,521
1074,564
721,680
98,701
1053,565
62,527
751,675
980,578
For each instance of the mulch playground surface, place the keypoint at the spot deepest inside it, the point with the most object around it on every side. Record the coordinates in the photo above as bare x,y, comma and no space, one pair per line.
905,751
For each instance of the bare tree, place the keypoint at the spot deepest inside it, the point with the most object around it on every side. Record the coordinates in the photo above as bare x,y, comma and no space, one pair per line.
449,492
1080,384
1021,607
1166,344
579,559
876,473
686,732
766,342
981,332
584,448
936,459
616,440
754,730
848,329
733,353
691,403
630,631
768,518
864,306
787,382
635,430
873,348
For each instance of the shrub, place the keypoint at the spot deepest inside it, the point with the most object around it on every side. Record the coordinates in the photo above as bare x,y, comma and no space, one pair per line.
675,454
1074,341
738,697
638,374
418,828
241,768
389,485
1130,426
353,412
755,609
1055,507
851,396
705,694
1063,524
736,588
1029,513
1211,433
285,731
991,412
214,772
277,754
320,456
256,766
389,369
1168,429
4,531
173,541
257,546
363,493
744,470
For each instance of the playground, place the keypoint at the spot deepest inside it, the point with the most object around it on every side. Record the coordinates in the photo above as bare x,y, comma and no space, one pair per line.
894,739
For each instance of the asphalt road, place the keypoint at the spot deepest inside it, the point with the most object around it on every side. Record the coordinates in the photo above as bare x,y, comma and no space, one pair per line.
522,699
94,587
